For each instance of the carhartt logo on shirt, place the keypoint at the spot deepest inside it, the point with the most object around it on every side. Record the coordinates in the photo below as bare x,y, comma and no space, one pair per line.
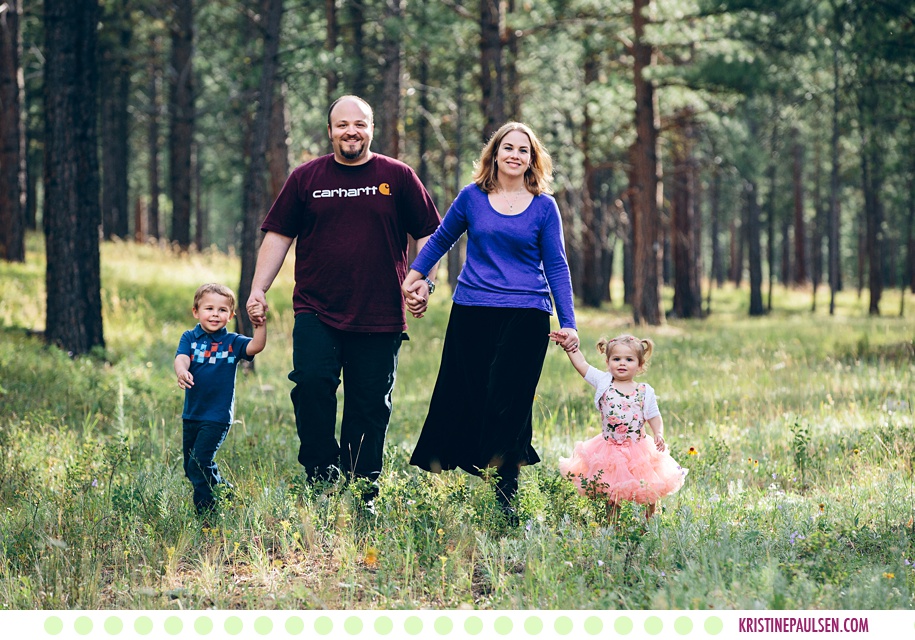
384,189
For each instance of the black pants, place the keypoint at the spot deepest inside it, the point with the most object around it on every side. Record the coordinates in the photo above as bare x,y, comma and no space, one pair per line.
480,415
368,363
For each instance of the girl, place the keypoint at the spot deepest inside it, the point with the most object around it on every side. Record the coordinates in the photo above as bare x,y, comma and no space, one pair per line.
620,462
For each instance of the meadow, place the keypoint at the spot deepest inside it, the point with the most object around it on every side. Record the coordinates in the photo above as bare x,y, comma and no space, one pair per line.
797,430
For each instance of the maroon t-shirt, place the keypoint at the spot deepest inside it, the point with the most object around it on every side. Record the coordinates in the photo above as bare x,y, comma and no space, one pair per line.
351,225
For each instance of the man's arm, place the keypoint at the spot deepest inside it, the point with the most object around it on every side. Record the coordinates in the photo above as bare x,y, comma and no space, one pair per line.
269,262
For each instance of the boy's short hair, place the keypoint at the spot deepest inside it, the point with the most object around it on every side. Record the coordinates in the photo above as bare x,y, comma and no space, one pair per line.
219,289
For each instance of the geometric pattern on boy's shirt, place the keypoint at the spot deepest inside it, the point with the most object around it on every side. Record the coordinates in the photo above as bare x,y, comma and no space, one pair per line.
203,353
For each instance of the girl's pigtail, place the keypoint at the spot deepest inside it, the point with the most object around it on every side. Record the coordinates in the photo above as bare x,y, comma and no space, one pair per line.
602,345
647,348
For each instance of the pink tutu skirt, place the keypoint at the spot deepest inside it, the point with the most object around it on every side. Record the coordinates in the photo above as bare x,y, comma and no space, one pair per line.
634,470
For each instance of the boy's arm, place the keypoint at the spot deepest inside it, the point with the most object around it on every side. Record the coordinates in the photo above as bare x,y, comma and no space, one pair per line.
182,364
259,341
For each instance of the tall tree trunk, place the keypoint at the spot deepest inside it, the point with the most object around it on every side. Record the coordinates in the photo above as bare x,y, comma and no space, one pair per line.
73,281
818,226
754,250
687,302
800,240
256,175
513,103
356,61
872,183
331,39
717,271
12,136
737,237
115,93
181,116
492,80
647,188
591,242
771,209
153,227
834,284
457,253
277,145
201,213
388,116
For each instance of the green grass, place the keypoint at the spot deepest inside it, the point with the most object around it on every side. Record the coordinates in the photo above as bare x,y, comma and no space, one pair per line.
800,496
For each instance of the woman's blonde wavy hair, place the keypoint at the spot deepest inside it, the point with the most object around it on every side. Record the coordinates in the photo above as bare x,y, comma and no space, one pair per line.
539,175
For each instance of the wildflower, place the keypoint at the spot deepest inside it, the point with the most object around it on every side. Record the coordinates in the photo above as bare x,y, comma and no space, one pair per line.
692,452
857,451
600,563
277,563
94,482
440,532
296,535
567,563
371,557
822,507
889,576
285,524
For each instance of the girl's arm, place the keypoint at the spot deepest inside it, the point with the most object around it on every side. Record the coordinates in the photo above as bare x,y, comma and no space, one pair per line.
656,425
576,357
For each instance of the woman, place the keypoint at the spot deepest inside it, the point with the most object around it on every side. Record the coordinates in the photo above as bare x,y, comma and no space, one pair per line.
498,332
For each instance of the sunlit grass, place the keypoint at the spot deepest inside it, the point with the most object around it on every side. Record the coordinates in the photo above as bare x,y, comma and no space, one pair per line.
797,429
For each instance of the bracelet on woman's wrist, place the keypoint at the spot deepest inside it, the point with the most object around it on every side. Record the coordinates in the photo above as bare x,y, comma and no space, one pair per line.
431,285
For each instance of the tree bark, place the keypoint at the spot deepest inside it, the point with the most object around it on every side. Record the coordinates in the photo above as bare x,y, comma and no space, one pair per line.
717,271
356,62
687,302
73,216
492,77
800,240
834,186
591,227
12,136
115,93
388,116
754,251
181,117
647,188
331,38
278,146
154,72
255,180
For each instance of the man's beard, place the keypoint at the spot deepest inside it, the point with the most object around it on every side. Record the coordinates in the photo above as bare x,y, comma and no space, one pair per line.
356,153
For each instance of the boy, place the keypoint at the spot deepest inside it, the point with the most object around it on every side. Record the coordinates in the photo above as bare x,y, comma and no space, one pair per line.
205,364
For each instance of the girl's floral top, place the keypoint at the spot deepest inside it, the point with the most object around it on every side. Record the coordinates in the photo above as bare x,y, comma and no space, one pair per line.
622,416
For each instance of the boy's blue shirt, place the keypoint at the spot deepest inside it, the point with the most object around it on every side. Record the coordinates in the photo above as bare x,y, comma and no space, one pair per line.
214,361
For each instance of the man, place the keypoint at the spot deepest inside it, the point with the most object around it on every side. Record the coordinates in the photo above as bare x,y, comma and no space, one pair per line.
350,213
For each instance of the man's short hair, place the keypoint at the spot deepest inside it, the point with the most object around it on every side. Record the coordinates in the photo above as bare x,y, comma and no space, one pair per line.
350,97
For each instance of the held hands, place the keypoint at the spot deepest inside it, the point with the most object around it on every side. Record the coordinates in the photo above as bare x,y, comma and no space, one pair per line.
415,295
257,307
566,338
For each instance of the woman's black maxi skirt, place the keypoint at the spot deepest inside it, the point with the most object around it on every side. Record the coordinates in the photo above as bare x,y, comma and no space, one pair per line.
481,408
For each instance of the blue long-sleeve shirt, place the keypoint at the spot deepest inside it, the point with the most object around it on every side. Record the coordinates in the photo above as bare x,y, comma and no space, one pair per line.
512,261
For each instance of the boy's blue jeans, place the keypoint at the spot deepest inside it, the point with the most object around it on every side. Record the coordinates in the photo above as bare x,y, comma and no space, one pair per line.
201,442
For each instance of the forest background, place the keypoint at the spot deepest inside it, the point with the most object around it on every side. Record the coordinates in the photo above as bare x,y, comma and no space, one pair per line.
738,175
